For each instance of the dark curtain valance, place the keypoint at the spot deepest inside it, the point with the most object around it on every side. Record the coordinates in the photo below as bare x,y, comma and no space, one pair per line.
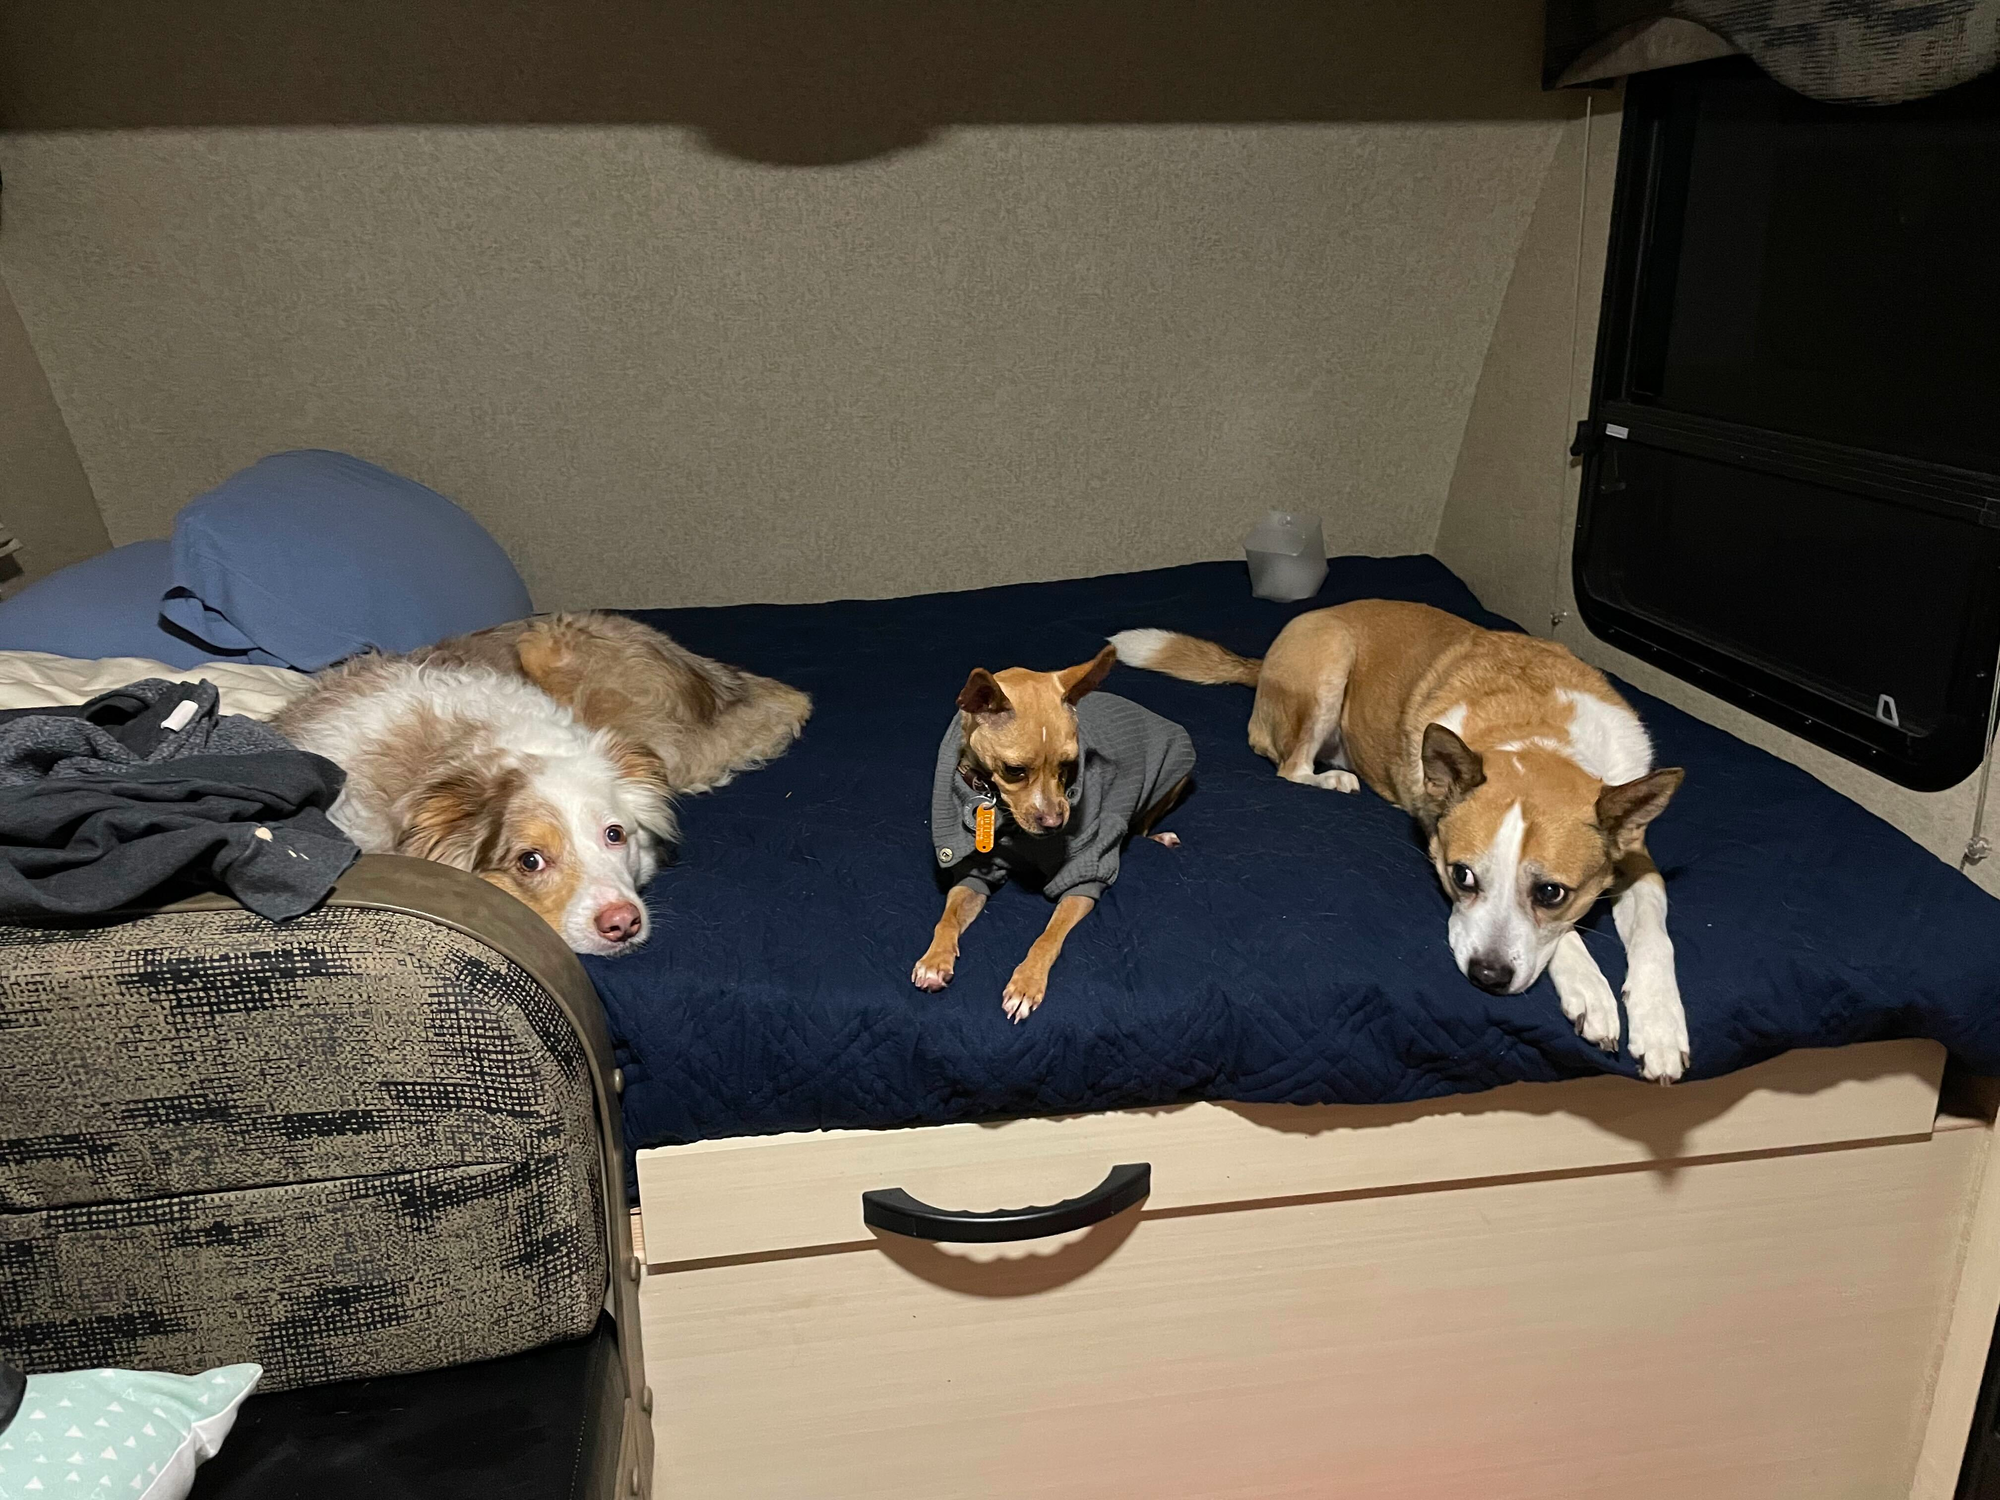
1841,51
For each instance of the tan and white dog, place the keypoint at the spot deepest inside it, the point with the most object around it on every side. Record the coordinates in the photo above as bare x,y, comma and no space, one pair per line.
1531,778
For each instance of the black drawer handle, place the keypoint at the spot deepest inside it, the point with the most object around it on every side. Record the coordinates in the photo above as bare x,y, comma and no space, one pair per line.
895,1212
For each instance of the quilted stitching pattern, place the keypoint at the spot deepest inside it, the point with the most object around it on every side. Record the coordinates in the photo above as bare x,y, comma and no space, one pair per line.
1292,951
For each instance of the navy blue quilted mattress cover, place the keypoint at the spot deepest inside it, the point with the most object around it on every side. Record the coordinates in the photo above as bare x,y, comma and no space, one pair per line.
1292,950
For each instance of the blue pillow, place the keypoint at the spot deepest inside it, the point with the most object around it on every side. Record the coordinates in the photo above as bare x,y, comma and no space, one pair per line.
305,558
107,605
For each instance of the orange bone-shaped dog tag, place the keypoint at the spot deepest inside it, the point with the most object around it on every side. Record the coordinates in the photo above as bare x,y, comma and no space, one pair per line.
982,828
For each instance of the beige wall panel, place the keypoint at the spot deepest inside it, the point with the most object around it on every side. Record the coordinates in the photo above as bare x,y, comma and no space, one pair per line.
45,501
666,376
1504,528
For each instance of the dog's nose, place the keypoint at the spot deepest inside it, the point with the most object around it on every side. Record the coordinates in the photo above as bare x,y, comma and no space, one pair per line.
1050,817
618,922
1490,976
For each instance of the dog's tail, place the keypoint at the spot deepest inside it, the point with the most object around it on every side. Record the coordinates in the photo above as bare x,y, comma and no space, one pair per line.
1185,657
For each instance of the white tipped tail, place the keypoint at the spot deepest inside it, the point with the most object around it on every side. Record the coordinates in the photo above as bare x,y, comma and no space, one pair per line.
1185,657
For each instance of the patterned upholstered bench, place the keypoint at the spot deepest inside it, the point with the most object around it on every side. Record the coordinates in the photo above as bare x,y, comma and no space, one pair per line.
378,1144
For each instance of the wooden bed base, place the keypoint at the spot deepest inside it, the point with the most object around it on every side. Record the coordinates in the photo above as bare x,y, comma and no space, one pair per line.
1778,1283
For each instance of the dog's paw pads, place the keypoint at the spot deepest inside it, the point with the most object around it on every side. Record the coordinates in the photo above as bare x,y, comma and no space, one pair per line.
1166,840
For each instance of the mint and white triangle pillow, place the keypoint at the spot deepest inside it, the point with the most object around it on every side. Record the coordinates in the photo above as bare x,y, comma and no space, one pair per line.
118,1434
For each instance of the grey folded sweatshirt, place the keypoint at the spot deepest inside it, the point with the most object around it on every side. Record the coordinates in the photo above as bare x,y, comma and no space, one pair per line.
1128,759
146,792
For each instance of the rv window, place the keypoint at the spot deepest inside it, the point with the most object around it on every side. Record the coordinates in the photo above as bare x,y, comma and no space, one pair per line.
1791,490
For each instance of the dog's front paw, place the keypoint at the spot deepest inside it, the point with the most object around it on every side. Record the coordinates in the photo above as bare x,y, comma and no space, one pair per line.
1661,1053
1330,781
1166,840
1023,993
1659,1034
1587,1000
933,970
1585,993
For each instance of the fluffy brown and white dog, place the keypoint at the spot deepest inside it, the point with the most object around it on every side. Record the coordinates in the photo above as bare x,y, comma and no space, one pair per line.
485,772
1531,779
543,756
705,720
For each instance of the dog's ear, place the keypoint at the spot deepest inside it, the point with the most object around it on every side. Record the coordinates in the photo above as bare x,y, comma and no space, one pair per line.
644,773
1452,768
1453,771
639,763
982,694
1089,677
1623,811
458,817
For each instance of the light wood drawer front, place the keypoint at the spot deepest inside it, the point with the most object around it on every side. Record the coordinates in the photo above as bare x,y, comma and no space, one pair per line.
786,1192
1757,1329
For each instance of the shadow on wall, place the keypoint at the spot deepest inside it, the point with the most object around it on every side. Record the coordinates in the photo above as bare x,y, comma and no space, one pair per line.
791,82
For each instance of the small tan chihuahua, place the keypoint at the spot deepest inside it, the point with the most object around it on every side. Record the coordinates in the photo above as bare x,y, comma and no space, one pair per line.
1040,775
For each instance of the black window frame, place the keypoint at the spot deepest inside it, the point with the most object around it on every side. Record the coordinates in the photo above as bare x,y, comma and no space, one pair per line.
1650,187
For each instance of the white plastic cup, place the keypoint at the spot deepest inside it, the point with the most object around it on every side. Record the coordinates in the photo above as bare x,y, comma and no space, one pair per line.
1287,556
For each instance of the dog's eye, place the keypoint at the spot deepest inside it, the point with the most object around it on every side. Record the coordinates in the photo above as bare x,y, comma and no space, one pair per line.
1548,895
614,835
1013,773
1463,878
533,861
